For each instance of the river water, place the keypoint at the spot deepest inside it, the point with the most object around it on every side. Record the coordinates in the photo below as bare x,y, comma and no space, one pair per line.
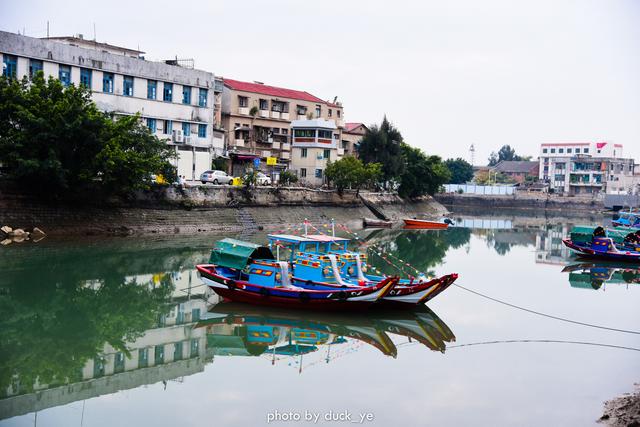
120,331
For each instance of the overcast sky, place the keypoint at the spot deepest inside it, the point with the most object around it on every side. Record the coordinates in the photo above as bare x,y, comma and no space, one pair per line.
447,73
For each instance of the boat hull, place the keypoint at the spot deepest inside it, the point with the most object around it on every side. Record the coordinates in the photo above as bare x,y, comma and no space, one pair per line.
431,225
583,251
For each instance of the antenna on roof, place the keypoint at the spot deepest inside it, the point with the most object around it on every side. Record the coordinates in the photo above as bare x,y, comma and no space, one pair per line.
472,150
94,31
47,29
335,99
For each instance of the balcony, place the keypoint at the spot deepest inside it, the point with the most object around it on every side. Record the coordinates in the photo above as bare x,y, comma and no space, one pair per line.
284,116
275,146
243,110
265,153
239,143
285,156
302,117
286,146
340,151
275,114
264,113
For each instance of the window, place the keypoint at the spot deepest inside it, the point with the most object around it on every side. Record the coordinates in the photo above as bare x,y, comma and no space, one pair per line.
327,154
195,345
285,131
303,152
85,77
64,74
34,67
159,354
202,97
177,351
186,129
107,82
326,134
318,111
151,124
305,133
330,112
553,150
568,150
303,173
302,110
168,127
280,107
202,131
264,104
152,89
560,150
585,150
167,93
243,101
186,94
338,112
143,358
127,86
544,150
318,173
118,362
10,66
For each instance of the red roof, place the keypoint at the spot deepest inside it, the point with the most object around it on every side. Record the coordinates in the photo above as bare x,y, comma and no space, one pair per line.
348,127
279,92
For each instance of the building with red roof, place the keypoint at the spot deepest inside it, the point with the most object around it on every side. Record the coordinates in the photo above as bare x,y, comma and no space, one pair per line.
257,118
351,137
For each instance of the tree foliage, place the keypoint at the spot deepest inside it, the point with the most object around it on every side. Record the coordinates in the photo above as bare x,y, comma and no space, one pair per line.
487,177
505,153
54,141
423,174
461,170
350,172
383,144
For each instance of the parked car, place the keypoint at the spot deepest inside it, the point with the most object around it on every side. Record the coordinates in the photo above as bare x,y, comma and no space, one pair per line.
215,177
263,179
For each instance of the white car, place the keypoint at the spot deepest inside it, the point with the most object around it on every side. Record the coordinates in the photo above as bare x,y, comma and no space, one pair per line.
263,179
215,177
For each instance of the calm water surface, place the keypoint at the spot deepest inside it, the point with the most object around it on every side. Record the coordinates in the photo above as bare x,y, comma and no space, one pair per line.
121,331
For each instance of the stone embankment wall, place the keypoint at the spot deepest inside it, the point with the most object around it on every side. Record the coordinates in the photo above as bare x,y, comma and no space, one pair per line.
207,209
532,203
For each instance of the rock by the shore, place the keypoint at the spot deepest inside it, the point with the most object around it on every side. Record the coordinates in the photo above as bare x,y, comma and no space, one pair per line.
623,411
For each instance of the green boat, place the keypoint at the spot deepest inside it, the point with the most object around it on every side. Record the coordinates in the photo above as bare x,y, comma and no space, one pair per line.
584,233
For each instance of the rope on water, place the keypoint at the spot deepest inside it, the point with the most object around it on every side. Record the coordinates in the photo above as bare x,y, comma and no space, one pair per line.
471,344
562,319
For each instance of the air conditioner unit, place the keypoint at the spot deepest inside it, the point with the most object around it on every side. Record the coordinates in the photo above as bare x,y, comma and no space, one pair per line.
178,135
187,140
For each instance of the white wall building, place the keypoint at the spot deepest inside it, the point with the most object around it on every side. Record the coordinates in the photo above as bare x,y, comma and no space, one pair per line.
314,144
175,102
586,168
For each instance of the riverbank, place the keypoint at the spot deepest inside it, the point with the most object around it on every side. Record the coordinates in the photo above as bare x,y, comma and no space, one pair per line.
531,203
623,411
207,209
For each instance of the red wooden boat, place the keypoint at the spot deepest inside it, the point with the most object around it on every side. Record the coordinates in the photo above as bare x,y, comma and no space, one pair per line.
423,223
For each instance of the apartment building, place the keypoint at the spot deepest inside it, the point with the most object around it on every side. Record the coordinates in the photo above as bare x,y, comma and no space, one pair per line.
585,168
351,137
315,144
175,101
258,119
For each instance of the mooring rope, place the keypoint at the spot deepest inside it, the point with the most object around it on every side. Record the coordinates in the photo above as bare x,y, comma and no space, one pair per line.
562,319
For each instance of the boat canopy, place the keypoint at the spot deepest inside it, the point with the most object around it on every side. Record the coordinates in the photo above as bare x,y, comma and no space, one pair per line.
234,253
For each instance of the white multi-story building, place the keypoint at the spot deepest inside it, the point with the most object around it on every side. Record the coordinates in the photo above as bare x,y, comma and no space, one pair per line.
175,101
314,144
585,168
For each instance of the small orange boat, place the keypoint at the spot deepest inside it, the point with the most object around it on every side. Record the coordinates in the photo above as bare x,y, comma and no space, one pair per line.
422,223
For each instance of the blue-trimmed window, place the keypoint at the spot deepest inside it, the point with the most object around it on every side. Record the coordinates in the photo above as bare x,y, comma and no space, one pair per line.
107,82
167,93
127,86
318,173
9,66
168,127
64,74
202,97
186,129
85,77
186,94
202,131
151,124
152,89
35,65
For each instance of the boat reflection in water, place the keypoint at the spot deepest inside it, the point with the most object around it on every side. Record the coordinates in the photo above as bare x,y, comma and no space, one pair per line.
242,330
594,275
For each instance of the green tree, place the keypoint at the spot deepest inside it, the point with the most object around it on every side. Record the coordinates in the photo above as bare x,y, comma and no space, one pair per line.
287,178
461,170
505,153
350,172
56,136
383,144
423,174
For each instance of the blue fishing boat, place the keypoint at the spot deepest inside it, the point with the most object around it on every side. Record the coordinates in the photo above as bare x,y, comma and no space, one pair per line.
246,272
325,262
603,248
627,219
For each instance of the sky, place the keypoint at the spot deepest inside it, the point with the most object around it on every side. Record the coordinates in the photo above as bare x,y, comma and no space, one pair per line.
448,74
